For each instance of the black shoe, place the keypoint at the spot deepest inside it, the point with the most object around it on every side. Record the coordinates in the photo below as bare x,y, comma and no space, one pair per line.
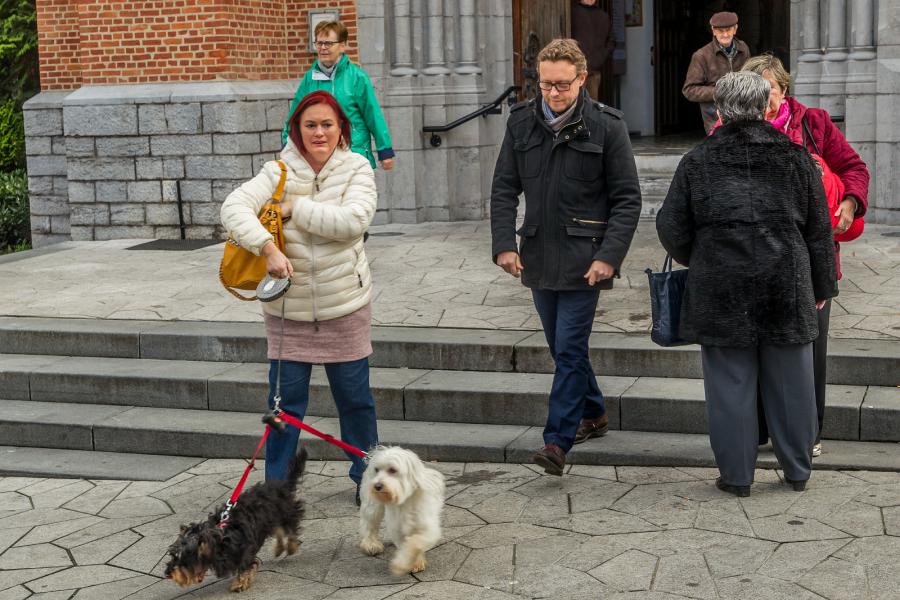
741,491
798,486
358,502
552,458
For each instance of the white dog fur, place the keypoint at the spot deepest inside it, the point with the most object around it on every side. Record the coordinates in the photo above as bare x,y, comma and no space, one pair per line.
398,488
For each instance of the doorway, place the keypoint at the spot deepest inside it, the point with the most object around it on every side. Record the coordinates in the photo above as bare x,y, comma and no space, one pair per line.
682,26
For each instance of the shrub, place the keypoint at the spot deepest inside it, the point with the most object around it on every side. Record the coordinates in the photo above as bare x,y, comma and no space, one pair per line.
12,135
15,230
18,76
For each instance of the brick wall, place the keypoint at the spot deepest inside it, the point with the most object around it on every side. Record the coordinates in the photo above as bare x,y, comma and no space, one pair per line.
104,42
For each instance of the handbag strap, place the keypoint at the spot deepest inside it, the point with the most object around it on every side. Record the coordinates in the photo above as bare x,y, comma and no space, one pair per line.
667,264
808,137
279,191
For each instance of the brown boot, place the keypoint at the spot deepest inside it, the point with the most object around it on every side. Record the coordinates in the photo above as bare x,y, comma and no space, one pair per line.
552,458
590,428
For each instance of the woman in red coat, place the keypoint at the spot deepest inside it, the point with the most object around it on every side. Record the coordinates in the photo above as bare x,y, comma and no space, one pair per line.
812,127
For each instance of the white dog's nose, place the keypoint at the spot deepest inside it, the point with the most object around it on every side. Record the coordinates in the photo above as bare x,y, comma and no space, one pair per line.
378,487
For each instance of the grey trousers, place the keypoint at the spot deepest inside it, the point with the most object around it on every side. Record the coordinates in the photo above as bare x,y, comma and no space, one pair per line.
783,377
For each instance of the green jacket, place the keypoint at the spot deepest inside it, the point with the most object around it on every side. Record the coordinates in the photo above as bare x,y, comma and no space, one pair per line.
354,92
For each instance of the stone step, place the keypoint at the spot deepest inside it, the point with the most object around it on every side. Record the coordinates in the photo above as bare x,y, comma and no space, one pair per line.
673,405
212,434
850,361
88,464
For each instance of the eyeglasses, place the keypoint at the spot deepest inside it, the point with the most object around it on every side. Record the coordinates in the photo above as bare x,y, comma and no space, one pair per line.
325,44
561,86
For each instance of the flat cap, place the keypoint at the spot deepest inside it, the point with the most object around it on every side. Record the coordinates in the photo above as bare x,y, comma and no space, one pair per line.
723,19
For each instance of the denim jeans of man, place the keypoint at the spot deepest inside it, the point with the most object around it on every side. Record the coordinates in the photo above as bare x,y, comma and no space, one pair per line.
349,382
567,318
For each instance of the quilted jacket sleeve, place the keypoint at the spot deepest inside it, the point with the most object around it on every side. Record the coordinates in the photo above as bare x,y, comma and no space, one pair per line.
241,208
351,217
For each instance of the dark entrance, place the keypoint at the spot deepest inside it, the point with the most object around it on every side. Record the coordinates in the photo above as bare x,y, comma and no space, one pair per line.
682,26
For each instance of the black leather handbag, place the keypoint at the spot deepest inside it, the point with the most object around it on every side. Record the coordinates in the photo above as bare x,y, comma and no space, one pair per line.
666,295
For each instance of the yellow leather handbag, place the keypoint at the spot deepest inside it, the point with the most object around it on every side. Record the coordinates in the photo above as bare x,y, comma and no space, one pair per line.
240,268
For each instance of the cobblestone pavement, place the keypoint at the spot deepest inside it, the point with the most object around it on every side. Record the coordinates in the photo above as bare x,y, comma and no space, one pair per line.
431,275
509,533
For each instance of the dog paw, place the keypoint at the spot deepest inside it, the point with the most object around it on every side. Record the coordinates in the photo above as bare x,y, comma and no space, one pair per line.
418,566
292,547
371,546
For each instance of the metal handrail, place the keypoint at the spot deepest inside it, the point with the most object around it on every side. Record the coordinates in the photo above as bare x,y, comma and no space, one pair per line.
487,109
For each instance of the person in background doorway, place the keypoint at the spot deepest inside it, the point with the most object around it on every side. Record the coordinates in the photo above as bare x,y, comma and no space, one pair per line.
572,158
724,54
592,29
334,73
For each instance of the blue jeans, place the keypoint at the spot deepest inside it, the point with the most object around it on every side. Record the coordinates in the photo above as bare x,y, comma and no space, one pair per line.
349,383
567,318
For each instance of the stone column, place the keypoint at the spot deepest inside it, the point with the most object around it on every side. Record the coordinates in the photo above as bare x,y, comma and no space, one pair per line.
836,23
402,64
862,30
468,39
436,60
809,62
833,87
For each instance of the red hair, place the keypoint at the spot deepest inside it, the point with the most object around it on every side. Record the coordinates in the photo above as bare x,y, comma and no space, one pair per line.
311,99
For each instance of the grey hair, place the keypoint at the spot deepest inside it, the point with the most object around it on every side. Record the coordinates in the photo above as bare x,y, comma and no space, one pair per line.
742,96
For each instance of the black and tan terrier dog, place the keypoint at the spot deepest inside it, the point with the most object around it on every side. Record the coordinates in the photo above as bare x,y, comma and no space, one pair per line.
266,509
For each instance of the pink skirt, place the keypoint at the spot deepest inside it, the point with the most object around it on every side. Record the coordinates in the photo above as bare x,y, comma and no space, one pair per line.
344,339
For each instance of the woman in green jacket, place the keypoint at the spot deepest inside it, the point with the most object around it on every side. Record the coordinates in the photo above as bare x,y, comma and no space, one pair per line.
334,73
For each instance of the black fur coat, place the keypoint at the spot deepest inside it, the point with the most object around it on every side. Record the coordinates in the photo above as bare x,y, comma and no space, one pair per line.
746,211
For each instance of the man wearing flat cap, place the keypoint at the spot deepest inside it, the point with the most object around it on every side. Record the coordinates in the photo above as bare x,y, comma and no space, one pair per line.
724,54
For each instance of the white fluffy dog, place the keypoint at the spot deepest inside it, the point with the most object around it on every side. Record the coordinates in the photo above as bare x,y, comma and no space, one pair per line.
398,488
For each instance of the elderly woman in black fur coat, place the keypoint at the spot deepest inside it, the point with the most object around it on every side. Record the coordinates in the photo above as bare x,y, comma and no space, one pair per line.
746,211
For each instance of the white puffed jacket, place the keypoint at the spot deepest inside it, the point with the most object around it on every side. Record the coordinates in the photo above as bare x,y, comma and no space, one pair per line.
324,236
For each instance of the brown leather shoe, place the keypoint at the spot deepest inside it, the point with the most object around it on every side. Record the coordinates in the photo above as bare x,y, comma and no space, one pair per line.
590,428
552,458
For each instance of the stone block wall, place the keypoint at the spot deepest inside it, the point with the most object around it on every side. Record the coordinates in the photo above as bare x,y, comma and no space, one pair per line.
110,162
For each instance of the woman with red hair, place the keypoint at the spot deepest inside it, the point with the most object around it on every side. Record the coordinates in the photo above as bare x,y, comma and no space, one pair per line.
329,202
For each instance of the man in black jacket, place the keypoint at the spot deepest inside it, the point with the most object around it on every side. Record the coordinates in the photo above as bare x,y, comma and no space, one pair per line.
572,158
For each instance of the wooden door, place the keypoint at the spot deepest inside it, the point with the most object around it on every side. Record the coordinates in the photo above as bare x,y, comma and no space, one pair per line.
535,22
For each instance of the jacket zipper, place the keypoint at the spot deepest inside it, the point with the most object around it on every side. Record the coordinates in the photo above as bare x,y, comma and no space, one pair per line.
588,222
312,267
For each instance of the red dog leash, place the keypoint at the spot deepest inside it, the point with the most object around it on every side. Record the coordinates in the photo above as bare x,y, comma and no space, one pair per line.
276,420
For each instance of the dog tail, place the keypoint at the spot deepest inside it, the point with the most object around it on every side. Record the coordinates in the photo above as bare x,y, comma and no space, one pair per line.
296,468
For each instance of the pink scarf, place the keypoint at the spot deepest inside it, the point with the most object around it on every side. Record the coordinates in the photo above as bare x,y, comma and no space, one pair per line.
783,118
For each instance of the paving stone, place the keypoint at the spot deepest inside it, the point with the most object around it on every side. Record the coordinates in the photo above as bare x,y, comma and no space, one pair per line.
491,568
375,592
36,556
105,549
597,472
443,562
8,537
791,560
456,517
505,534
135,507
672,513
835,578
857,519
363,571
685,574
10,579
319,529
61,595
644,475
100,530
759,587
504,507
15,593
62,495
725,516
11,484
116,590
891,517
77,577
884,581
14,501
767,500
145,553
601,522
313,560
269,586
876,477
43,534
739,556
94,500
881,495
788,528
472,495
554,581
451,590
39,516
164,590
879,550
630,571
